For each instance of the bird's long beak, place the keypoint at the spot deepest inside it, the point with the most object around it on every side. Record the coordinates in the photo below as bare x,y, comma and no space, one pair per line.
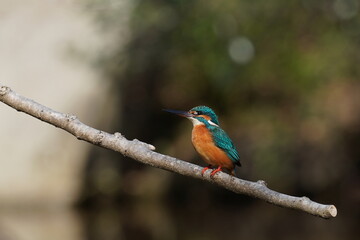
180,113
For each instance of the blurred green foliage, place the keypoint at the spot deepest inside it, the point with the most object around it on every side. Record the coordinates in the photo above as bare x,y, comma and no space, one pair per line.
282,75
268,68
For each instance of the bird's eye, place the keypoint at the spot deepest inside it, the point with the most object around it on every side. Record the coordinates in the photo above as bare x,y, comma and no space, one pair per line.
194,112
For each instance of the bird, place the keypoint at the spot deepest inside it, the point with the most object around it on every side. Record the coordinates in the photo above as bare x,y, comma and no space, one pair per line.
210,141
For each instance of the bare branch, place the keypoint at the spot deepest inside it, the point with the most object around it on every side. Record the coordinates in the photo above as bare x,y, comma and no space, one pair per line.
144,153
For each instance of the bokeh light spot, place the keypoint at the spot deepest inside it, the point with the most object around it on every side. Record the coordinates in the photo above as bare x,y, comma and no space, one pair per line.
241,50
346,9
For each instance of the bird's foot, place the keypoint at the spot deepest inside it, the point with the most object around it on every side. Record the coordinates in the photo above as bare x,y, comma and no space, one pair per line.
205,169
213,172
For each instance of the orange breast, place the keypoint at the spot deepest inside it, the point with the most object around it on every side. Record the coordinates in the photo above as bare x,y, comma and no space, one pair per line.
205,146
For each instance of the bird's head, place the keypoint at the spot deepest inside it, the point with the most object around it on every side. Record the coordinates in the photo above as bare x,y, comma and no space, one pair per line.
198,115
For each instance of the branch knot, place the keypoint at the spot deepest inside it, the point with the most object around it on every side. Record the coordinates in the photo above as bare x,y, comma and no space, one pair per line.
70,117
4,90
149,146
99,138
118,135
262,182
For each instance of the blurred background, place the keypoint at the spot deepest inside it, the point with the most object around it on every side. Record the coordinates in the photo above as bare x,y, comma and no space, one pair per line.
283,76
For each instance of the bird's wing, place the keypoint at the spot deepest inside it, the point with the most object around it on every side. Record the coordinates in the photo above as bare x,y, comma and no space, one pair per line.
223,141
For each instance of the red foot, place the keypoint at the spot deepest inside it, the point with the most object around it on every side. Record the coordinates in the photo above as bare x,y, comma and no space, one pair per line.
215,171
204,170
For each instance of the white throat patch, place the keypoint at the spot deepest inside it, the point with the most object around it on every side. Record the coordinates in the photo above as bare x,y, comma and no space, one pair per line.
196,122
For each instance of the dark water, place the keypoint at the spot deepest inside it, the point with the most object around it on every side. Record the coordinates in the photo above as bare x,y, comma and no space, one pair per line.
146,219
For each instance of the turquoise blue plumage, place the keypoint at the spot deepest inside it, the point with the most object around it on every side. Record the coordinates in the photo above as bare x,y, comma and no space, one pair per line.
221,139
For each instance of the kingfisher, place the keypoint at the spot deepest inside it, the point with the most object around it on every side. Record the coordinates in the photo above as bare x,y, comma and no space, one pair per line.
210,141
